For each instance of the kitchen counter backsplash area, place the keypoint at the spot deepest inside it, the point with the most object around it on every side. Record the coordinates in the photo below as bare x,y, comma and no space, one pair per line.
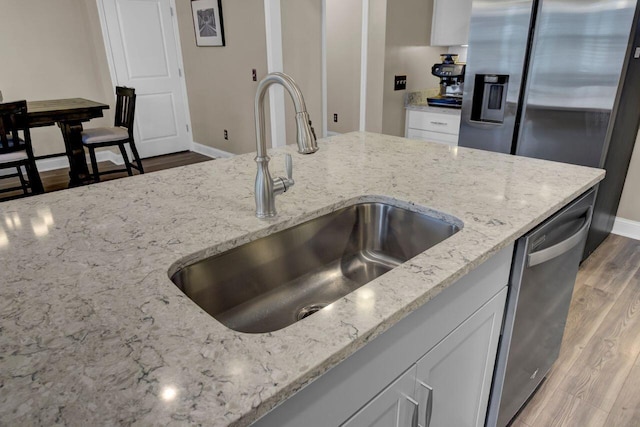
92,331
419,98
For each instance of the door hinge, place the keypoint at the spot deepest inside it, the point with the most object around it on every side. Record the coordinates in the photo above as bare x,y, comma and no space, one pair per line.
171,9
180,72
187,128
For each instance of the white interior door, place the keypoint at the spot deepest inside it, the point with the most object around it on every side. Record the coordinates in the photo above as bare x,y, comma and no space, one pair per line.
144,50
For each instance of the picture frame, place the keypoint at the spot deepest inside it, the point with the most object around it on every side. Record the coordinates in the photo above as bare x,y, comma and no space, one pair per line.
207,22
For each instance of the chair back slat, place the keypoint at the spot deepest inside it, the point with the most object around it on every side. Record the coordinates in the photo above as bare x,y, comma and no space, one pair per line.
125,107
13,118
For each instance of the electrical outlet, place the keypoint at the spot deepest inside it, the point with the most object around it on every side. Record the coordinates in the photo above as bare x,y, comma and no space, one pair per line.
226,135
400,83
335,118
254,75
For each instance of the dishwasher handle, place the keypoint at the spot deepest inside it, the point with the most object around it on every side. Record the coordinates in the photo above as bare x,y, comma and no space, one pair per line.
563,247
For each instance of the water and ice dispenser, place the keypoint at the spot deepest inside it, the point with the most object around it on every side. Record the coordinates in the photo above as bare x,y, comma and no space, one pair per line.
489,98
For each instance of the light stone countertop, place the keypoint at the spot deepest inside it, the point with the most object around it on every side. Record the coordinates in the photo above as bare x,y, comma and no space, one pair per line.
93,332
430,109
417,101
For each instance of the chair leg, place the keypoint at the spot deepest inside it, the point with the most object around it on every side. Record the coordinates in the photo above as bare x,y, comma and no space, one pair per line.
94,164
34,178
23,183
136,156
127,164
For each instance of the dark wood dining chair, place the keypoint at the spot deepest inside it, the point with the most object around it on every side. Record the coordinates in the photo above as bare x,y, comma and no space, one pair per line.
15,149
120,134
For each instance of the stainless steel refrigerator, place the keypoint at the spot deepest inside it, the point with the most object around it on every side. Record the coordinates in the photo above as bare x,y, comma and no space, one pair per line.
542,81
545,79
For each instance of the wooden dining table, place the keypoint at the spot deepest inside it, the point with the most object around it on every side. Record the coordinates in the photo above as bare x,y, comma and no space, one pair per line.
68,114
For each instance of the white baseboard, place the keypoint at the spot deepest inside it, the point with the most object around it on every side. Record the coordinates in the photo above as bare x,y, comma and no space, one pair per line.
205,150
627,228
330,133
61,162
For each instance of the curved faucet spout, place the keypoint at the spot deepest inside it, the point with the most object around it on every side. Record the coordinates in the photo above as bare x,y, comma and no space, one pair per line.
266,188
306,137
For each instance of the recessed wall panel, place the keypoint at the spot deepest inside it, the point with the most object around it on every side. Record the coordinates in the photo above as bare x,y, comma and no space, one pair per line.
142,38
156,116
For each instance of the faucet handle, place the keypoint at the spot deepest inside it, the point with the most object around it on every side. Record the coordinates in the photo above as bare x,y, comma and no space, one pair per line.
281,184
288,163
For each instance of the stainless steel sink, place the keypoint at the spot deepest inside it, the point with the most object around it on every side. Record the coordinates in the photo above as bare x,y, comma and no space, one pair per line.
277,280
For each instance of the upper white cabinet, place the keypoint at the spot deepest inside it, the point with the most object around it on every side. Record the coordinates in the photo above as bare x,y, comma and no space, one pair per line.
450,26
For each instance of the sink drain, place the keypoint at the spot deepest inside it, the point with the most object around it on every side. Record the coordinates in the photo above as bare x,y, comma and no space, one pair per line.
310,309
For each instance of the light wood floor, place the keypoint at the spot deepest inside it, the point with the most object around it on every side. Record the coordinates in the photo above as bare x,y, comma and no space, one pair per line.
596,380
59,179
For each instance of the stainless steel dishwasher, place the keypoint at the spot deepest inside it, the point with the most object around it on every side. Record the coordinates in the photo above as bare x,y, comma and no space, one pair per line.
544,271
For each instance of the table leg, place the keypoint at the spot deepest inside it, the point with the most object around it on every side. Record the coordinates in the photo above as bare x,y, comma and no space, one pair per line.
78,170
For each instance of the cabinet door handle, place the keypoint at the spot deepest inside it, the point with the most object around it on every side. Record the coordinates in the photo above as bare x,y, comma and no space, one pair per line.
428,404
438,123
414,413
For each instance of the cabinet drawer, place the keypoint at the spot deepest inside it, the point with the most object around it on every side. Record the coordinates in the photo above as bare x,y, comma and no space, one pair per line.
425,135
443,123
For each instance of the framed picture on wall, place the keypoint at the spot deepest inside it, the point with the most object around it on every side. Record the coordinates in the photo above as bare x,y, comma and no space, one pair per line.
207,21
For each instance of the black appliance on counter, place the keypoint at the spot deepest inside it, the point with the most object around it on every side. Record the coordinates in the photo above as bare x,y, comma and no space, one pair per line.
451,76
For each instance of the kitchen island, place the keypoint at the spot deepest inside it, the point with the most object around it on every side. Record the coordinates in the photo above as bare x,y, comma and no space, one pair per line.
92,330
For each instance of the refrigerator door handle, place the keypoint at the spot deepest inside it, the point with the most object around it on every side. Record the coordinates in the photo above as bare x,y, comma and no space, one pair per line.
558,249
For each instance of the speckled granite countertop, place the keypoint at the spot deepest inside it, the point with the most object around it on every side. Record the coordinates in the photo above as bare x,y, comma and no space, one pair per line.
93,332
417,101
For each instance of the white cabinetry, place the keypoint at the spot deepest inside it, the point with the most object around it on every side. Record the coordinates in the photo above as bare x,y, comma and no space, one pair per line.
450,24
448,344
393,407
456,374
449,386
436,125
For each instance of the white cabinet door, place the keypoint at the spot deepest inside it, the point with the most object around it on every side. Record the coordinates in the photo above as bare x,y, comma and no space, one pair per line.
435,121
459,370
393,407
450,25
425,135
434,126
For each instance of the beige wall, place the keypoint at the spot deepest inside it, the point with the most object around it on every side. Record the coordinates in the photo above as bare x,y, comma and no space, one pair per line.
407,53
344,39
375,64
49,50
219,85
629,207
302,56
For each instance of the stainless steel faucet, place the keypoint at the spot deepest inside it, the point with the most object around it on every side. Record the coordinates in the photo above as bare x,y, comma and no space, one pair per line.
266,187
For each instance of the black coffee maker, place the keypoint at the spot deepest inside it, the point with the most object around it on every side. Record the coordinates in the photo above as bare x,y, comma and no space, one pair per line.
451,76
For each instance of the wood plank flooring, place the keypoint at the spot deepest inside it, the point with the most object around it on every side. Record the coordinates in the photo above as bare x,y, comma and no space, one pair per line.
58,179
596,380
